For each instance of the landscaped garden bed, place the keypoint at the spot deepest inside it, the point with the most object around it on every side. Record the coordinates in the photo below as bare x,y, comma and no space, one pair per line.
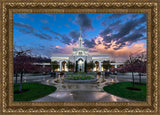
80,78
81,73
123,89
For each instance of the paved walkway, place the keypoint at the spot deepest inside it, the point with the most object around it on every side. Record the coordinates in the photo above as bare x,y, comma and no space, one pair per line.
80,92
74,92
81,96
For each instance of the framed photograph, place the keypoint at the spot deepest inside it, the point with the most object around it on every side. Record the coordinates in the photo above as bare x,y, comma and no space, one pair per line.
77,56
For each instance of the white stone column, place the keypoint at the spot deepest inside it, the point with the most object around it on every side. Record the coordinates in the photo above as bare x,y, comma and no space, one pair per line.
100,69
66,68
60,64
115,66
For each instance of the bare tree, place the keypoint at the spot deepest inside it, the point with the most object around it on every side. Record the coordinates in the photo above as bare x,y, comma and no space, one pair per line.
131,67
141,65
22,63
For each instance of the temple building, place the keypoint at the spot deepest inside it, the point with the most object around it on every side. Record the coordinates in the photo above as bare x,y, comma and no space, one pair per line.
80,56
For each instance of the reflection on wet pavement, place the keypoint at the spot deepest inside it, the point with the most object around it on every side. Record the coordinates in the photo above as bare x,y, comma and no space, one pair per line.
81,92
81,96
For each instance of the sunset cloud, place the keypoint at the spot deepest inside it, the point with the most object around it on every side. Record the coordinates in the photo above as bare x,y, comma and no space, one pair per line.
84,22
119,55
115,34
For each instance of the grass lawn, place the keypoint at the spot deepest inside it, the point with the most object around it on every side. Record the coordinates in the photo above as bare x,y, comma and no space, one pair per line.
32,91
120,89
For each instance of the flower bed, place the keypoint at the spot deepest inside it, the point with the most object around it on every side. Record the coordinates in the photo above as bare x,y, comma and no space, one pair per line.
80,77
81,73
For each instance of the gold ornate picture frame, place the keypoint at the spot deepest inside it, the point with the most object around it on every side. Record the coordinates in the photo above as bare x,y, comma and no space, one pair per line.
8,7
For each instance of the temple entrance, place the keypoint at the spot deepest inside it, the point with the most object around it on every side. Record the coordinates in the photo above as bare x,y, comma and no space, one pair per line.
96,66
63,66
80,65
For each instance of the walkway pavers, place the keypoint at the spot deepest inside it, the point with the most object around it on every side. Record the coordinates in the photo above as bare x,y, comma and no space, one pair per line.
80,92
81,96
83,92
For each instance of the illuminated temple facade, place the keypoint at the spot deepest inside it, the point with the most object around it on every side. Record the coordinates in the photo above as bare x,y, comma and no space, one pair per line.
80,56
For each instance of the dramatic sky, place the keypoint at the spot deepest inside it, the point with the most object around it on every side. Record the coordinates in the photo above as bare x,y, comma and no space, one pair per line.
118,35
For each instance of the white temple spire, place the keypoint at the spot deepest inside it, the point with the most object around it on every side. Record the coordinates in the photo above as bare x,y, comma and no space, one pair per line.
80,40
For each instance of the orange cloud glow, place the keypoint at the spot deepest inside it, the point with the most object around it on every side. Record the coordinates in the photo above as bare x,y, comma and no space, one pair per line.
119,55
68,48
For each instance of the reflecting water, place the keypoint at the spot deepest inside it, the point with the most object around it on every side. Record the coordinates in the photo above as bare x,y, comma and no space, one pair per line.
60,95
